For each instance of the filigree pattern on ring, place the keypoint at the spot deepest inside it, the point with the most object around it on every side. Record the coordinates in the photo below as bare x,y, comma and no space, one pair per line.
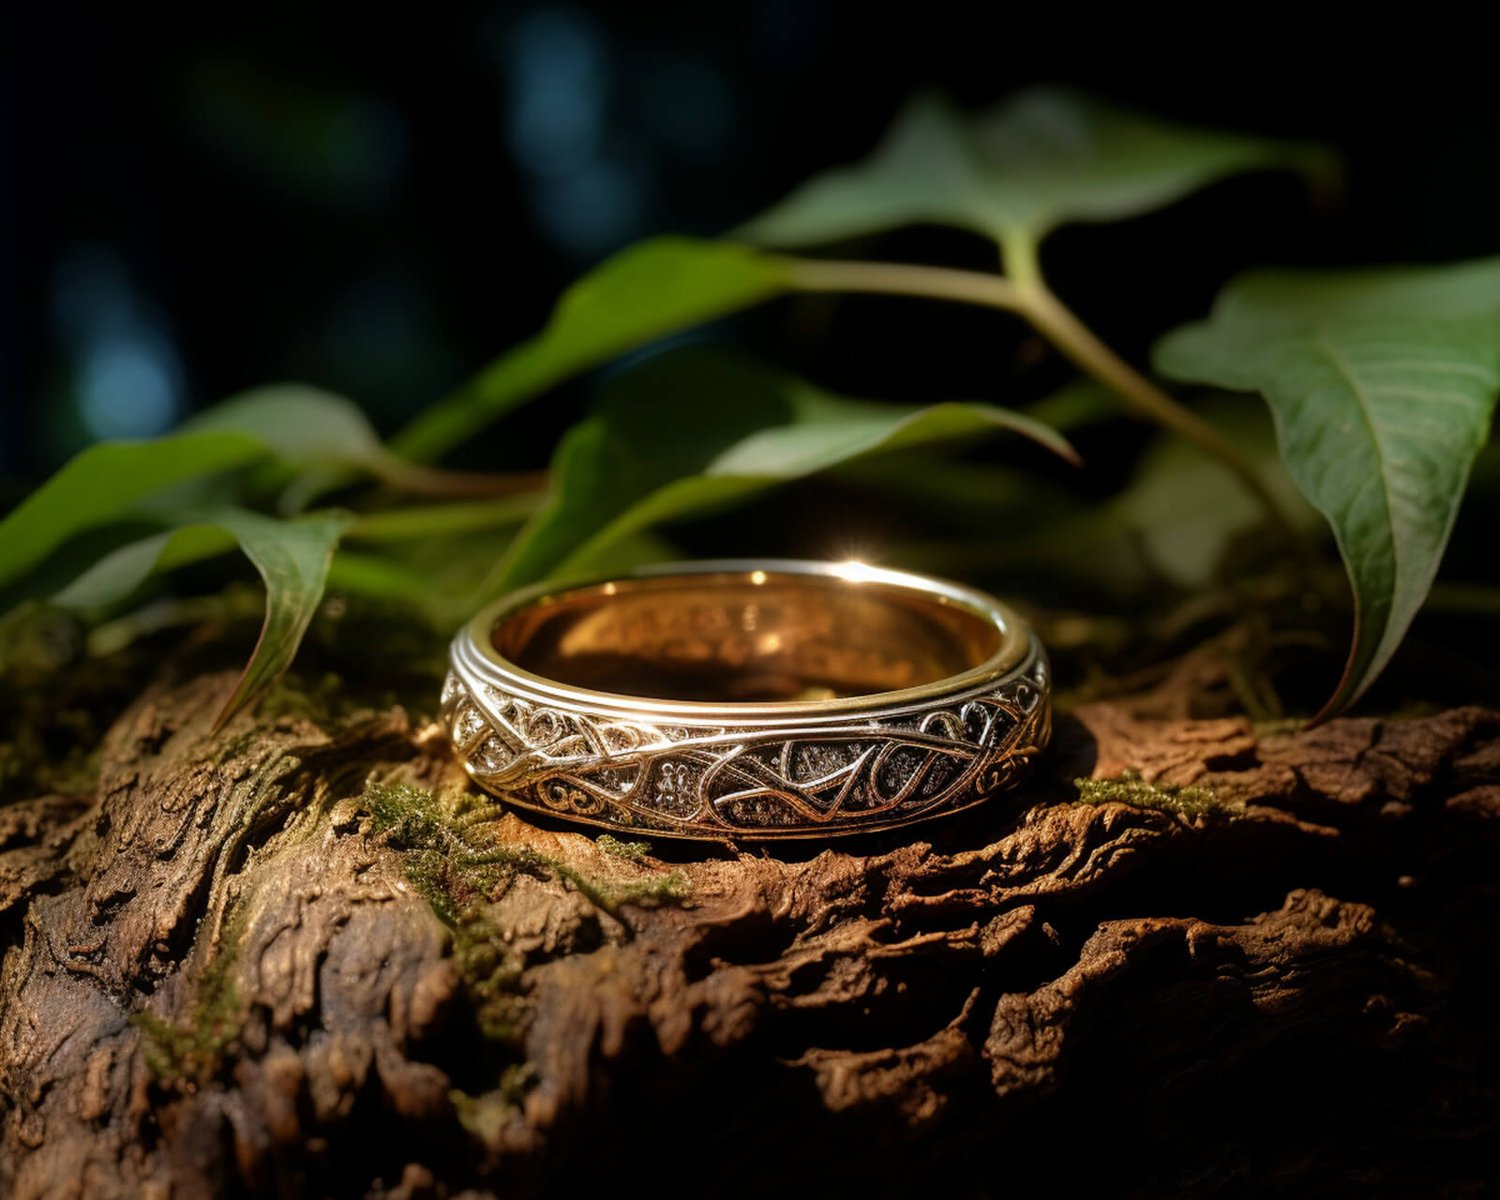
874,772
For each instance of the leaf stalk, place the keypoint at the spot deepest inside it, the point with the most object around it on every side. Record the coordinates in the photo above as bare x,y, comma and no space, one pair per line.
1025,293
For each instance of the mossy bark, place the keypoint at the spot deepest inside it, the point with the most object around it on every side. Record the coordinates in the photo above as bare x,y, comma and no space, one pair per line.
300,957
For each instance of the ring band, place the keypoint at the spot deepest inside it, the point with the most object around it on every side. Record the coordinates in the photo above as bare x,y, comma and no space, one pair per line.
748,700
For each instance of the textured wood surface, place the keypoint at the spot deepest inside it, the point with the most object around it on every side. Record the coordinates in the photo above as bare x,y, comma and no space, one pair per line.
299,958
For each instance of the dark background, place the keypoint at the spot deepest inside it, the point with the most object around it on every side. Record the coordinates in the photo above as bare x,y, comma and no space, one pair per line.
196,204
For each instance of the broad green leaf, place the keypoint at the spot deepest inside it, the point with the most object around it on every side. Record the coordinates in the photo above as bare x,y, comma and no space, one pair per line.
114,482
117,574
1041,159
656,451
380,578
436,555
325,436
302,426
1382,384
1075,405
643,293
1183,510
100,484
621,556
292,558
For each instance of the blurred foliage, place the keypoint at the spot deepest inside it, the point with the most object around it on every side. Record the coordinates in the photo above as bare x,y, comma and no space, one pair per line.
1381,385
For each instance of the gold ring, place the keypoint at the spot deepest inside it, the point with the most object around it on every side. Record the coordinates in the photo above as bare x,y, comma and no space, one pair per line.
748,700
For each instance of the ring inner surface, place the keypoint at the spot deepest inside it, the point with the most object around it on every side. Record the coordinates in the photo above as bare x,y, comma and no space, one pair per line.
729,638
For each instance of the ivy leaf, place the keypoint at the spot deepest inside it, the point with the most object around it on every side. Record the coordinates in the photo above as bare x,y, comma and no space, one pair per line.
293,559
655,451
100,484
1382,384
643,293
1041,159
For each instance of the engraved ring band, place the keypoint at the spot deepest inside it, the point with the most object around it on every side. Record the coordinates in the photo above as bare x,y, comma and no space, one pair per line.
747,700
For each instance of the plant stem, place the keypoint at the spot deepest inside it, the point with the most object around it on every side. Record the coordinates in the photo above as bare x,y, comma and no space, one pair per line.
1076,340
1061,326
905,279
438,520
1026,294
432,481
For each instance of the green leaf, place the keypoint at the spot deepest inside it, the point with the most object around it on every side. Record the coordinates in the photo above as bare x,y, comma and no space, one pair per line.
99,486
1184,511
292,556
655,451
1041,159
620,556
435,555
380,578
1382,384
1076,405
120,572
293,559
107,484
643,293
324,436
302,426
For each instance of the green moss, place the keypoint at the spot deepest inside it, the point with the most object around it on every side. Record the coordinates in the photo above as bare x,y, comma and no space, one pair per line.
190,1052
455,862
230,746
486,1115
613,895
635,851
1129,788
454,859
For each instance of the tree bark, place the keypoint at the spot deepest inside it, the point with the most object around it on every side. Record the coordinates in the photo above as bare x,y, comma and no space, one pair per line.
300,957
